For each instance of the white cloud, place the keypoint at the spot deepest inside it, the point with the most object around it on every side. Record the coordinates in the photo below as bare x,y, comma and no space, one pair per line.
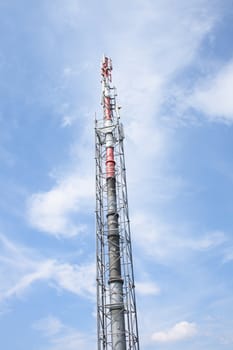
208,241
164,242
67,120
164,38
179,331
228,254
72,340
147,288
42,272
214,96
25,268
52,211
61,336
76,279
16,262
49,326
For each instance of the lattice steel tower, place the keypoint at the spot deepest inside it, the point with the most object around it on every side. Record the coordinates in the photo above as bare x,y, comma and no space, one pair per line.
116,304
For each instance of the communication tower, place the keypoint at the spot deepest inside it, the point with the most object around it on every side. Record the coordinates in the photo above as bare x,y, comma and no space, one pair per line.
117,326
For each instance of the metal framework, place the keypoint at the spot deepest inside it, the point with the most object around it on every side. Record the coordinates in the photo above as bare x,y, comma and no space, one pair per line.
117,326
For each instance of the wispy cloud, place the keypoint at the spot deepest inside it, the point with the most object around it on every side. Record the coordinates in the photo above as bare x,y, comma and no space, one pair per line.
25,268
147,288
213,96
52,211
61,336
165,243
176,32
49,326
72,278
180,331
43,272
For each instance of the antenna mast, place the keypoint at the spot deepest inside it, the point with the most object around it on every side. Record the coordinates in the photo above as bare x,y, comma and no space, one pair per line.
116,304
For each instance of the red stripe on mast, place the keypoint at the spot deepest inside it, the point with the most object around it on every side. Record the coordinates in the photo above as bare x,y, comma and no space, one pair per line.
107,77
110,162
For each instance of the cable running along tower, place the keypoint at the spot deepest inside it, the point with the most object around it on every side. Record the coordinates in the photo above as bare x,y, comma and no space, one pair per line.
116,305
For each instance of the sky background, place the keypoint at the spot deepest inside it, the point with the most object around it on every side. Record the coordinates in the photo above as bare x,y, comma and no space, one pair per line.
173,68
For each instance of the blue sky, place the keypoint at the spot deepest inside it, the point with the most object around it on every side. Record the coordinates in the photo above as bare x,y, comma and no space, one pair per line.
173,68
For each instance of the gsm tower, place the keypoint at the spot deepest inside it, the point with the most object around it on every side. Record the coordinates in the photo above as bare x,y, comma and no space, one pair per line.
117,326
